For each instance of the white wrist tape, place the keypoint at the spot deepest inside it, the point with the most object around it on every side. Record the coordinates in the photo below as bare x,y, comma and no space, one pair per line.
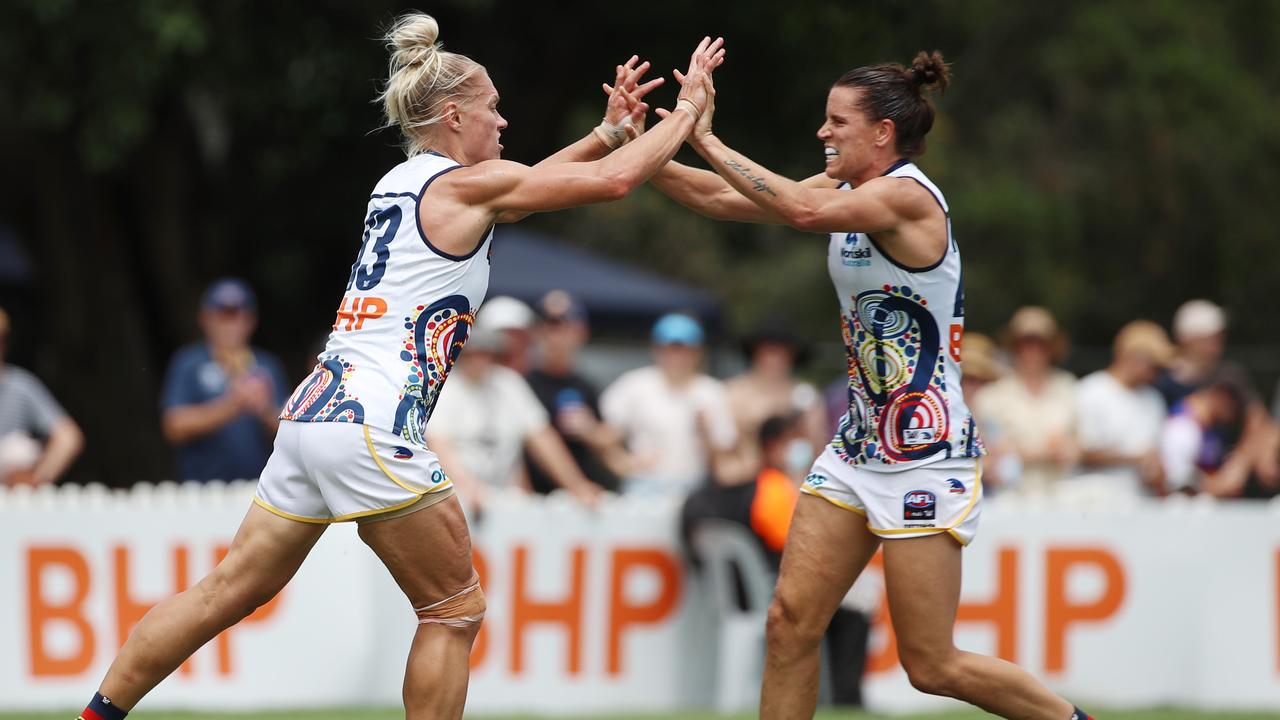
613,136
692,107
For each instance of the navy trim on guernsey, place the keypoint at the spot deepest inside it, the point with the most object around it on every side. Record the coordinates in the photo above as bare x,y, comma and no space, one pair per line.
899,163
375,196
947,215
417,212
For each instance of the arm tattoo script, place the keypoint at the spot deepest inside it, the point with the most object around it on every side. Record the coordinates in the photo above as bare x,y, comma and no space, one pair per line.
755,180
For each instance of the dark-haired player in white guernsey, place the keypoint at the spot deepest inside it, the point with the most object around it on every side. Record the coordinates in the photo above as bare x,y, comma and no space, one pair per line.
904,470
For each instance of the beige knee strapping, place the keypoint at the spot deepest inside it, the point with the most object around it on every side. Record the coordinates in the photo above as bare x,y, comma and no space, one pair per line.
458,610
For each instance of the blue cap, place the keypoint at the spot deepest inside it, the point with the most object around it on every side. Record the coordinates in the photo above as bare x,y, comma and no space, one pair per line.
229,294
677,329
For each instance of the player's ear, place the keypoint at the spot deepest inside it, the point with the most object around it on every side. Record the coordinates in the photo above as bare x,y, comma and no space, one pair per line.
452,116
885,131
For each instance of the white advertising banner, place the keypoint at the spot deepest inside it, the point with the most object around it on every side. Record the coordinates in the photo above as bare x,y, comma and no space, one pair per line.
596,611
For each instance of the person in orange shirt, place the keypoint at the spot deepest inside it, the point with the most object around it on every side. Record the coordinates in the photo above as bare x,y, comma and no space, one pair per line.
765,506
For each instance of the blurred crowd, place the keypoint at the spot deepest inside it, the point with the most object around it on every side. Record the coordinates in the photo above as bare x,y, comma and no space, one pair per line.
1165,416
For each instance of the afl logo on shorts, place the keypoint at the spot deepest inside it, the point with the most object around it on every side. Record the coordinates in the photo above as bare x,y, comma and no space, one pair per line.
919,505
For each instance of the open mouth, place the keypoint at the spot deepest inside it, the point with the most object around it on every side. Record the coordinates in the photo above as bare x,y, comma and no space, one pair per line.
830,153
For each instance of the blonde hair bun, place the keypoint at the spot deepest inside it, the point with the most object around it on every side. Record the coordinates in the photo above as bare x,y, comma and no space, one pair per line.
422,79
413,39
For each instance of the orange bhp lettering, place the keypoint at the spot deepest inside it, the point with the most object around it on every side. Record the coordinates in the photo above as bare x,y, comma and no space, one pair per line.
622,612
526,612
481,645
1061,612
372,309
223,641
128,610
40,612
1002,610
885,657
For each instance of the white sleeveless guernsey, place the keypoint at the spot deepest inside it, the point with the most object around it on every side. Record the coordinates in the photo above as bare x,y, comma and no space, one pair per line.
902,328
404,319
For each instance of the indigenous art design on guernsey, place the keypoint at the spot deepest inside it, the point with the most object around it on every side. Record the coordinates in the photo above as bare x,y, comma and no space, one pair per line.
323,397
435,338
898,410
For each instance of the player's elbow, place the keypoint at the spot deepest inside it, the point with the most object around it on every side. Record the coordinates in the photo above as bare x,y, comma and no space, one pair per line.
616,185
803,217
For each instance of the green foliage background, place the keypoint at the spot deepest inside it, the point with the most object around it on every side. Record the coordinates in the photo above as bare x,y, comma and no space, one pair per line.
1109,160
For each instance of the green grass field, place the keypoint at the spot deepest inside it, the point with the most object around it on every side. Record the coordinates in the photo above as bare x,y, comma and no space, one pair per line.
366,714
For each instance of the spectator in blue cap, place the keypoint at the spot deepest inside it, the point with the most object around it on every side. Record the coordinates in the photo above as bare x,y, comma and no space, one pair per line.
222,396
676,419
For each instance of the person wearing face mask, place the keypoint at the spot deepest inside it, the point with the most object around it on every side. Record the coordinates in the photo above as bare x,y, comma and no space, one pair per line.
765,506
769,388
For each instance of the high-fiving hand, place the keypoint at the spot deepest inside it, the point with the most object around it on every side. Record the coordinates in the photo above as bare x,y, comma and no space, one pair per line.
695,84
696,88
626,106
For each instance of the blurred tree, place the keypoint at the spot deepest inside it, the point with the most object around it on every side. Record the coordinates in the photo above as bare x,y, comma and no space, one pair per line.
1106,159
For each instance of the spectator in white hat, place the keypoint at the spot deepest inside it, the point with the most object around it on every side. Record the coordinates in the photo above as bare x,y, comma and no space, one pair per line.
514,319
1200,329
487,418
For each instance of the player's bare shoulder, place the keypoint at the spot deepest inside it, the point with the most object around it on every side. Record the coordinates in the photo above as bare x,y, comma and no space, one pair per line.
905,197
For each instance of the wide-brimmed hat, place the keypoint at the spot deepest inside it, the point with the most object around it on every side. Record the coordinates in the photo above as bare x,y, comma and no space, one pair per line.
1036,323
978,358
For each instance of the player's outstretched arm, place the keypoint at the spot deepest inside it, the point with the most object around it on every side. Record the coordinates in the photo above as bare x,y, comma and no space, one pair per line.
624,111
502,186
812,206
706,193
625,107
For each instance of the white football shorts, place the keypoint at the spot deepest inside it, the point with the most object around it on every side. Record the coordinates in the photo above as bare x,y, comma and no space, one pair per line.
943,496
325,472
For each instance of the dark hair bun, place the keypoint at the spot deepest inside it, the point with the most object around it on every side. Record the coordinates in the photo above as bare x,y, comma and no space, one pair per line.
930,71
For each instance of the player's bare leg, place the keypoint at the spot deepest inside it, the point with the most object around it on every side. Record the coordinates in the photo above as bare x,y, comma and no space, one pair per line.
922,576
429,555
265,554
826,549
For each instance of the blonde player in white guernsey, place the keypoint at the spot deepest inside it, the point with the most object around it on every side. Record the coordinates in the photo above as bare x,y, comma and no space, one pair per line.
351,444
904,469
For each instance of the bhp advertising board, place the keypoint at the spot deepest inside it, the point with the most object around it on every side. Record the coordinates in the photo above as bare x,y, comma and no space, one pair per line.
598,611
